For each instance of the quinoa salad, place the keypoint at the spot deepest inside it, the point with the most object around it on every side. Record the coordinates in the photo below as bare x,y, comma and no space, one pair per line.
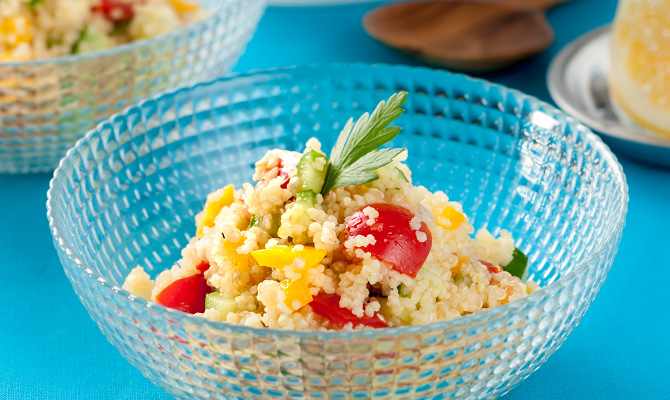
338,241
38,29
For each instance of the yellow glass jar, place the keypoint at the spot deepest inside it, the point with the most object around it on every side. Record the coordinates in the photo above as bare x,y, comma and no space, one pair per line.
639,76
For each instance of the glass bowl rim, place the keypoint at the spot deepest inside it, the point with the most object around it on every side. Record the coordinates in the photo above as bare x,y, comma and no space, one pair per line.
120,49
442,325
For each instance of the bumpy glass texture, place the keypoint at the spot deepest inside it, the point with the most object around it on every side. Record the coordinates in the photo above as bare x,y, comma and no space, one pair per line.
127,193
45,106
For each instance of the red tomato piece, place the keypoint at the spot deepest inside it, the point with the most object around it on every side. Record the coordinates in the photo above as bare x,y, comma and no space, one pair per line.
494,269
396,241
328,306
288,162
203,267
115,10
185,294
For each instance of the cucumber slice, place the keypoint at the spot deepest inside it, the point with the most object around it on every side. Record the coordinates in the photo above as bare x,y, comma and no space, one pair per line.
401,174
306,198
312,178
220,303
90,39
401,291
405,316
254,221
517,267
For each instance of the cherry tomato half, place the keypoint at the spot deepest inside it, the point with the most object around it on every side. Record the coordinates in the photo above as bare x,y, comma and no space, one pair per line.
396,241
115,10
186,294
494,269
328,306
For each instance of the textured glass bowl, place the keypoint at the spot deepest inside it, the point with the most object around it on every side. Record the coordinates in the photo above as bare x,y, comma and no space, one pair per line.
45,106
127,193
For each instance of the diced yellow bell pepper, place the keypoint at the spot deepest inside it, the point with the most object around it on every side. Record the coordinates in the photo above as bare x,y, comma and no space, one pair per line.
16,30
453,215
240,261
457,268
297,293
215,202
182,6
280,256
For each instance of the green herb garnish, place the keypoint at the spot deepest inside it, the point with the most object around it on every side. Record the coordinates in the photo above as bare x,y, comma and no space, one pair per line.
353,159
33,3
517,267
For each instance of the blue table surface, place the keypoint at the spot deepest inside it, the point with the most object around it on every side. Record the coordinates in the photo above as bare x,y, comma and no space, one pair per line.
51,349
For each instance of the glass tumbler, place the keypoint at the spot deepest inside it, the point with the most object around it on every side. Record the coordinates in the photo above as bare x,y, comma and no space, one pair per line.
639,76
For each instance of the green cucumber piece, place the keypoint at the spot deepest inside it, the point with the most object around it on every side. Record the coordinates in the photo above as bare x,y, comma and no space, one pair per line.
405,316
401,291
401,174
90,39
306,198
254,221
219,302
517,267
310,177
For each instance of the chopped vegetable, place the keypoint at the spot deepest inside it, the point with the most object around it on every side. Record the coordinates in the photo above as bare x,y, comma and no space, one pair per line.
215,202
34,3
401,291
117,11
517,267
182,6
452,215
254,221
185,294
219,302
18,28
312,170
405,315
353,160
297,293
305,199
202,267
401,174
280,256
91,39
240,261
257,221
395,240
328,306
494,269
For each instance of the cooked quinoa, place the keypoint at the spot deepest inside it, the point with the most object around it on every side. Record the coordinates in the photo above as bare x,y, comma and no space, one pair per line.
38,29
271,261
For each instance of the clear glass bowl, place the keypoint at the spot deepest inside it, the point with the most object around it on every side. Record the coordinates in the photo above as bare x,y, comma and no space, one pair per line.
45,106
127,193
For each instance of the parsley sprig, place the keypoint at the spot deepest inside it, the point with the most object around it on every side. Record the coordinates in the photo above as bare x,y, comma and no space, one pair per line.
354,158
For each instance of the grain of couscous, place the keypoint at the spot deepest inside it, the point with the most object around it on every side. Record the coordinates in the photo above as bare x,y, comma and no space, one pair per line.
339,242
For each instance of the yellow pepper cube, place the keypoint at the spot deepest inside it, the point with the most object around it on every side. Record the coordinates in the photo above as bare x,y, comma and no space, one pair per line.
453,215
280,256
455,270
240,261
16,30
297,293
215,202
182,6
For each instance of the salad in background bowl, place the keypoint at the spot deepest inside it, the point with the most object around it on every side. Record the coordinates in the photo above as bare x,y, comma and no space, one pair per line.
66,65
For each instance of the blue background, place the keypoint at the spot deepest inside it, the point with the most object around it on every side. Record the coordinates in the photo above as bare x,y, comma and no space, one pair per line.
51,349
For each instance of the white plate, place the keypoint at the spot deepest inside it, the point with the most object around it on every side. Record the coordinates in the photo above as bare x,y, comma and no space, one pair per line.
577,81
